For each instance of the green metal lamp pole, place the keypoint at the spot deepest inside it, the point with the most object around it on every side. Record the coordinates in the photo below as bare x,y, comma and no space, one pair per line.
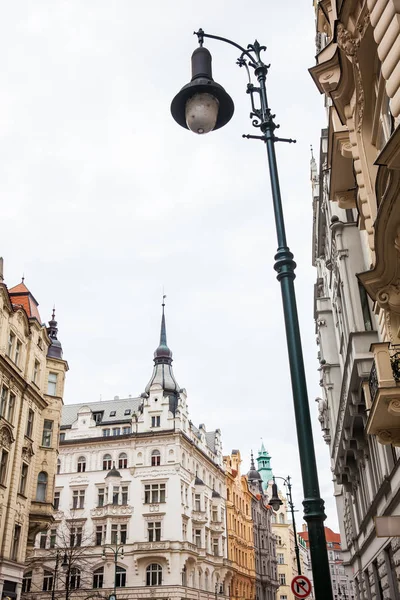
276,502
203,105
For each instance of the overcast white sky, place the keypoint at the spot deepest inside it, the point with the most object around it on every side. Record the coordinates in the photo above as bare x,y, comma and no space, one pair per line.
105,200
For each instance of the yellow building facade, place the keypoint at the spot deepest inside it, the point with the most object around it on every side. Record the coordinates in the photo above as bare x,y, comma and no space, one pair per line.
240,530
32,374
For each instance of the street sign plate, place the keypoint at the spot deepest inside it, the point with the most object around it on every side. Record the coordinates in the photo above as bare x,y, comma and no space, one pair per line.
301,586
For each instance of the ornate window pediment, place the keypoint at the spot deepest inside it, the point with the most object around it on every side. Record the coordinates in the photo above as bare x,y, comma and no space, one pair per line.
6,436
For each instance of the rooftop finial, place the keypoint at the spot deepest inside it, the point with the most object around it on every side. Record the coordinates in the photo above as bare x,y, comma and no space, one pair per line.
252,465
23,278
163,332
312,153
53,314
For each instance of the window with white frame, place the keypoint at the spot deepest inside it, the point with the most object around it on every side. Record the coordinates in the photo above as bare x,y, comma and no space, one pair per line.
75,579
215,546
197,502
3,466
47,433
100,496
52,384
154,531
281,558
120,577
184,530
81,465
75,536
107,462
155,458
282,579
27,582
156,421
197,537
100,534
10,345
123,461
18,349
154,574
47,581
126,430
78,498
23,479
56,500
119,532
154,493
29,423
41,488
98,578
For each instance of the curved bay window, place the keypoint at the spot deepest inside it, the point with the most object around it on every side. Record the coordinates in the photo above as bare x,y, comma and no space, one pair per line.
41,489
154,574
120,577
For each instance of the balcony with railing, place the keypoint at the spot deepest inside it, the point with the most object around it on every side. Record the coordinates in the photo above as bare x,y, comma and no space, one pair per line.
384,389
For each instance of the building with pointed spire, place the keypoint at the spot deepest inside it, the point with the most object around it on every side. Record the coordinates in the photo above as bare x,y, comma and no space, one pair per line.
266,574
136,472
32,374
264,467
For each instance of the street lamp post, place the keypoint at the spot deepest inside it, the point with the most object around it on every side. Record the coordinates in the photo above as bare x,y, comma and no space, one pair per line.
203,105
116,549
276,502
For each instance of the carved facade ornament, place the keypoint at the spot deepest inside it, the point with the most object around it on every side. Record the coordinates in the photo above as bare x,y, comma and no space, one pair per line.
388,298
6,437
27,452
350,44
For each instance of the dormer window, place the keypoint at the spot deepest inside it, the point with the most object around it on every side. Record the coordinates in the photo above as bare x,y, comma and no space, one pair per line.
113,413
156,421
98,416
127,411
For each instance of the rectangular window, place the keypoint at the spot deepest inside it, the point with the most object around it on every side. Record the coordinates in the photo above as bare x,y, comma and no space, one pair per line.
27,582
29,424
36,370
52,384
47,581
123,532
114,534
56,500
43,540
100,534
154,531
15,542
18,348
78,498
62,437
119,533
106,432
47,433
75,536
100,497
3,401
184,531
127,411
11,340
155,421
11,407
282,579
215,546
214,514
115,495
53,537
154,493
197,537
116,431
126,430
24,477
281,558
98,416
197,502
3,466
124,494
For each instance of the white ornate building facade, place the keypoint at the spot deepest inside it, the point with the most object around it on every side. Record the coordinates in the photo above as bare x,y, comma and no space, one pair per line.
356,253
140,500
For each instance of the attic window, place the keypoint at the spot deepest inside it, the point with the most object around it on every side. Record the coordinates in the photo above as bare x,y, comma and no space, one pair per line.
127,411
98,416
113,413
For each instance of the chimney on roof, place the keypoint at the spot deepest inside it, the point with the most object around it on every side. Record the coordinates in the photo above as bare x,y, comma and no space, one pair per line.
1,269
304,527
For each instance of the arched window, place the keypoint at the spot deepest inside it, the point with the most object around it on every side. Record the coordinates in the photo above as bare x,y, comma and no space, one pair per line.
98,578
155,458
281,518
41,490
206,581
74,579
154,574
120,577
47,581
58,466
27,582
107,462
184,576
122,461
81,464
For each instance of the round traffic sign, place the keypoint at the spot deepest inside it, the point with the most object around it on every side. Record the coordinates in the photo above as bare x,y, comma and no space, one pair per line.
301,586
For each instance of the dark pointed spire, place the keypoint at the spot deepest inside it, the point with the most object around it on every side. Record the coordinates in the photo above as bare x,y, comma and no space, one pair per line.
55,349
253,474
163,354
162,372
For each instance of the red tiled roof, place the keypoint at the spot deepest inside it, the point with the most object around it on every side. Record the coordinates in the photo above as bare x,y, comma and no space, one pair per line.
21,296
331,536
